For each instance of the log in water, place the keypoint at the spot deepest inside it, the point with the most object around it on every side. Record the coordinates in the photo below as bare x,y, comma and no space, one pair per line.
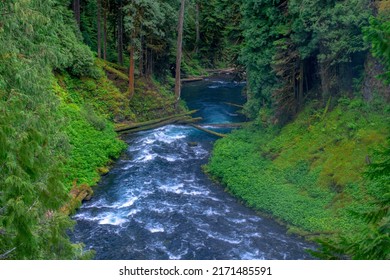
156,203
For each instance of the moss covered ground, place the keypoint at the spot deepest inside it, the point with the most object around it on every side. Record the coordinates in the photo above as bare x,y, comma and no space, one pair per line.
307,174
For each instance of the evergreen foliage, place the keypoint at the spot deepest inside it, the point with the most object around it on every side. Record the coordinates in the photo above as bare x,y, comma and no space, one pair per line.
144,20
35,37
219,32
373,242
378,35
262,25
291,48
211,31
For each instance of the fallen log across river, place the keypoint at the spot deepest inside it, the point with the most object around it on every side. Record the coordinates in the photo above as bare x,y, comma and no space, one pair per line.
183,118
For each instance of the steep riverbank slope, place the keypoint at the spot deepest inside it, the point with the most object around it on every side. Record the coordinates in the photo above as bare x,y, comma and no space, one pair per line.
91,106
309,173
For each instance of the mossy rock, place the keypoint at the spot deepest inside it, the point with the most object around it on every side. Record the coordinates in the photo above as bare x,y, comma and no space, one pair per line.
103,170
78,194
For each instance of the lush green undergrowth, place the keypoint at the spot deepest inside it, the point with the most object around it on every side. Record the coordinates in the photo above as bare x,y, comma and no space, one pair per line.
93,144
90,106
99,93
87,106
192,67
309,173
152,100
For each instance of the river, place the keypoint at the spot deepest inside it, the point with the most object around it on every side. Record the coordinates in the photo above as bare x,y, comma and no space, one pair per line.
156,203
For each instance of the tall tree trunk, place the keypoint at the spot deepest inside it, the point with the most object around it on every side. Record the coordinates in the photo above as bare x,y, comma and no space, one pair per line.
150,60
151,63
131,70
179,53
131,73
146,61
345,80
141,58
325,87
120,34
105,9
99,39
197,27
76,10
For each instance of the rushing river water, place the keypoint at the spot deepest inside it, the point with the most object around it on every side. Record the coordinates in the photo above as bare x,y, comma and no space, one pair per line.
157,204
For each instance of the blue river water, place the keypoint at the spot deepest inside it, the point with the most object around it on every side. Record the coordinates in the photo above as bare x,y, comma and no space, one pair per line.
156,203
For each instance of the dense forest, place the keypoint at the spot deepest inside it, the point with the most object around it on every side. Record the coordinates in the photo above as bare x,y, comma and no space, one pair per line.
315,154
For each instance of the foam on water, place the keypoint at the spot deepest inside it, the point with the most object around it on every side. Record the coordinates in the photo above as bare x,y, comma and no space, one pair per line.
97,204
211,212
220,84
149,141
255,234
133,212
163,136
161,210
100,204
178,255
188,189
195,193
112,220
171,158
106,218
85,216
237,221
224,238
129,202
173,188
256,254
189,180
200,152
155,229
254,219
146,156
127,167
214,199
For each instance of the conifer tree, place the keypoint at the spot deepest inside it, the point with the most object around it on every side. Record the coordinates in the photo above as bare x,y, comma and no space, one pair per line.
179,52
32,146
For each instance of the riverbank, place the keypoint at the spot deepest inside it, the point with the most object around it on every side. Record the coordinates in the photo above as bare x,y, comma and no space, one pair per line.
309,173
229,73
91,108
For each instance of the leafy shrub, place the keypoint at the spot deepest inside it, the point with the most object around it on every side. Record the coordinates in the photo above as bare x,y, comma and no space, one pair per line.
89,114
82,61
91,148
